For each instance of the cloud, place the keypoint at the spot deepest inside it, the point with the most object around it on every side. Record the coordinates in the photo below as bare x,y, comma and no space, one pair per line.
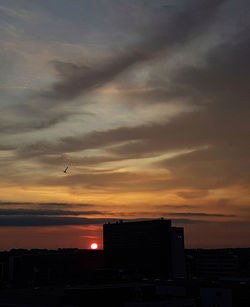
63,159
168,35
43,205
188,221
216,133
192,194
43,123
44,221
170,215
22,14
115,181
200,214
219,87
24,212
29,221
212,168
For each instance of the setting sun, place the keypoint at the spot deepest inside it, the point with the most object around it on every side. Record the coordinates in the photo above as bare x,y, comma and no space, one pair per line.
93,246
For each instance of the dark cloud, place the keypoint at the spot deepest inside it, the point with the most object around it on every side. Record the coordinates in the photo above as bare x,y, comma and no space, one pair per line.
63,205
5,147
211,168
37,124
43,221
225,207
168,35
21,112
192,194
200,214
135,142
63,159
96,139
28,221
175,206
176,214
222,82
68,70
180,222
114,181
46,212
43,205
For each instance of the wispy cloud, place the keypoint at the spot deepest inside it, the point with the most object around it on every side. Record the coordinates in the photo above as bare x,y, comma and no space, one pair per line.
167,35
22,14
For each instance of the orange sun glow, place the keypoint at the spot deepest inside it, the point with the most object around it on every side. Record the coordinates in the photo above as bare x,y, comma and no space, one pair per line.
93,246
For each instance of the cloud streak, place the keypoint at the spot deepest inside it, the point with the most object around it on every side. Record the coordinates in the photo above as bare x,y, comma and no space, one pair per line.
44,221
46,212
42,205
200,214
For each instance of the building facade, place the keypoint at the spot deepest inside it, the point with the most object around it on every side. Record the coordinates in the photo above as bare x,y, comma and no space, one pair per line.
151,247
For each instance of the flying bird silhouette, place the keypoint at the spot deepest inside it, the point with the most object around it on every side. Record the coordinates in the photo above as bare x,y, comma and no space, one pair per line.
65,171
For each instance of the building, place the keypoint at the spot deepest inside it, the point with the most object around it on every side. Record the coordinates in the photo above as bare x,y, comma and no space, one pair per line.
130,294
226,293
213,263
48,267
149,247
178,253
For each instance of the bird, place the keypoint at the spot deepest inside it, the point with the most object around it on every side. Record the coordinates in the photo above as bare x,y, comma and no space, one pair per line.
65,171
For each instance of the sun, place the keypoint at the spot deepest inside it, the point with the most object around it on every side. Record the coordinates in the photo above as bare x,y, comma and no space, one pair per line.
94,246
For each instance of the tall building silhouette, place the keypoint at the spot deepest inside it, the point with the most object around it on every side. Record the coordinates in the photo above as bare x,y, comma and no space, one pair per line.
151,247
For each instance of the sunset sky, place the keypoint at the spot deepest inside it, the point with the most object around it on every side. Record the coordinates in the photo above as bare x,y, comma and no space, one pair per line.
146,102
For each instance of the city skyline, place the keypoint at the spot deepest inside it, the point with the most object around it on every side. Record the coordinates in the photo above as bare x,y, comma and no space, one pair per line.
124,110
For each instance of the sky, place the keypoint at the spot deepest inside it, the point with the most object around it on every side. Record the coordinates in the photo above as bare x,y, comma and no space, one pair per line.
146,102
